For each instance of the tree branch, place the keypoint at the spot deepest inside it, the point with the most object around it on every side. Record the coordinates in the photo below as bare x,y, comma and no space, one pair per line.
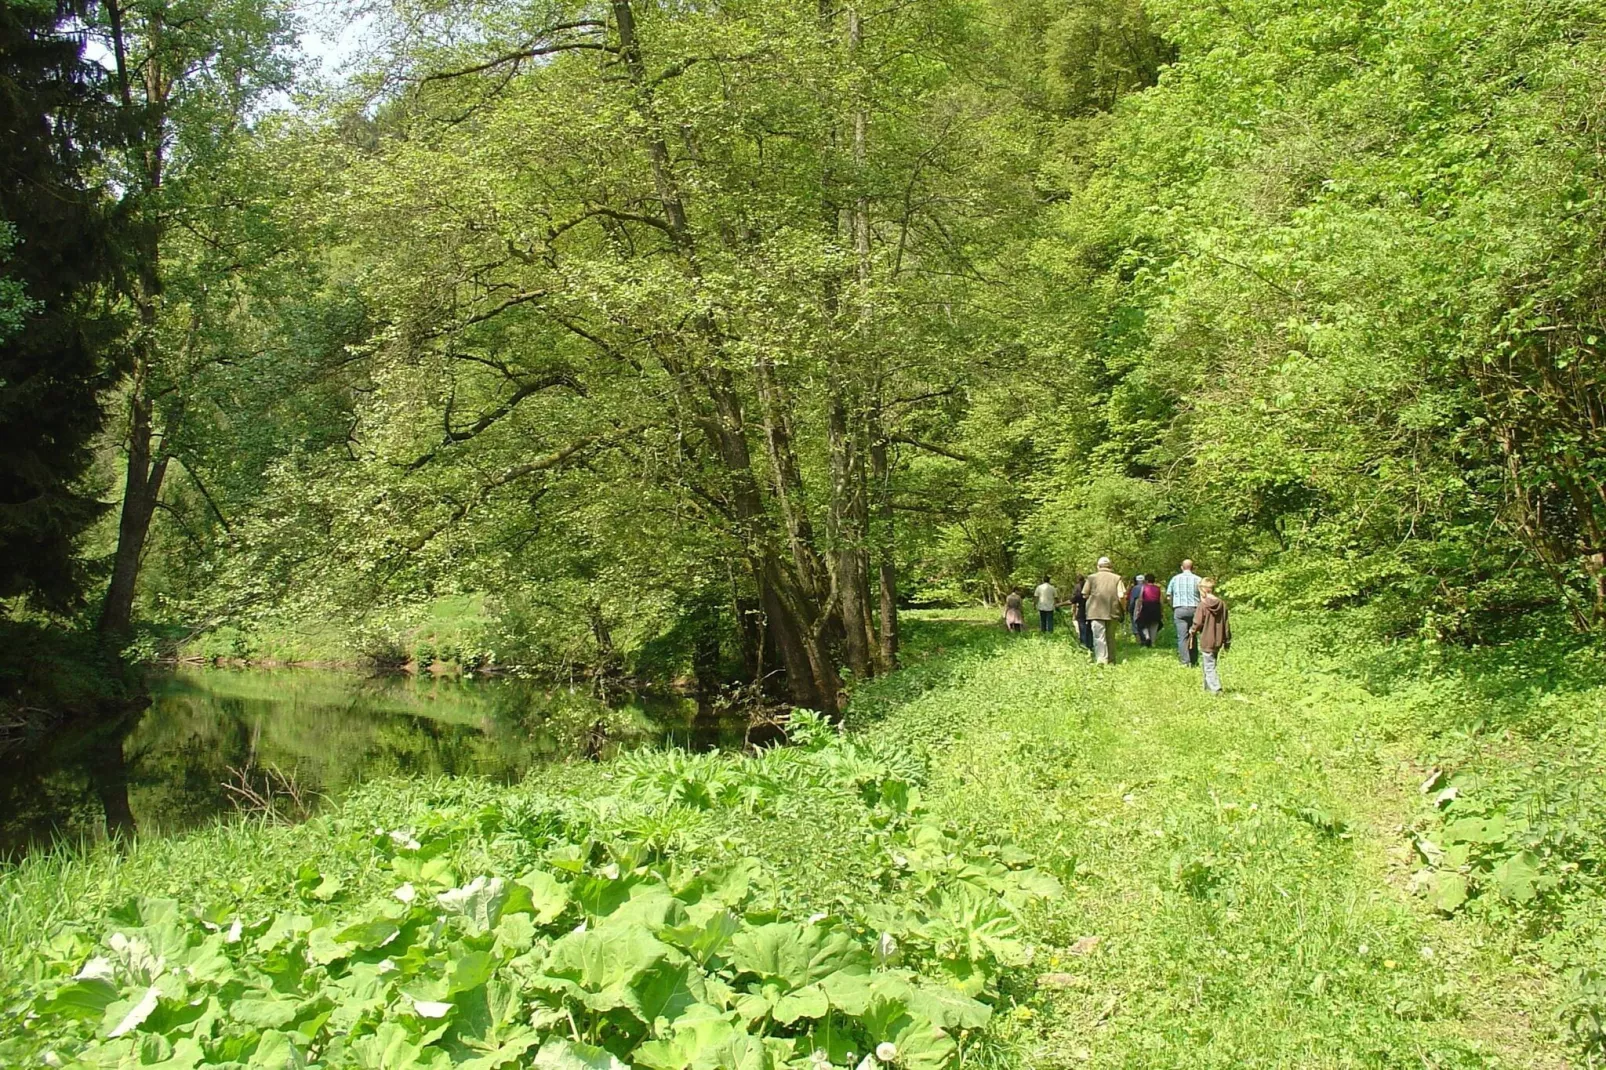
530,51
534,386
930,447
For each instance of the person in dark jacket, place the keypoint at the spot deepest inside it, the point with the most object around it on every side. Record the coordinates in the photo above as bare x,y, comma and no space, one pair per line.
1084,627
1214,632
1146,612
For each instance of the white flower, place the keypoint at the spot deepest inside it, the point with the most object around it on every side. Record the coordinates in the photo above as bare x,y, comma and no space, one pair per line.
50,1058
886,1051
815,919
386,965
1364,949
818,1057
406,893
234,932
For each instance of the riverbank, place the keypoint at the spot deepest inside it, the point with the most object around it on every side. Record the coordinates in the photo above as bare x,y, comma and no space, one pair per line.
1119,869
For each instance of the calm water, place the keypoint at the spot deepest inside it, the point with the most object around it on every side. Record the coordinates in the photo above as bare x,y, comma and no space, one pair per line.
326,731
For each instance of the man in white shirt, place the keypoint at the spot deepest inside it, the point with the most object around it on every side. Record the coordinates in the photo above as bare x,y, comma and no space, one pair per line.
1046,597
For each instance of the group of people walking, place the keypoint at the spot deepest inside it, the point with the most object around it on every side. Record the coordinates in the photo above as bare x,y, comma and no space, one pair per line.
1101,599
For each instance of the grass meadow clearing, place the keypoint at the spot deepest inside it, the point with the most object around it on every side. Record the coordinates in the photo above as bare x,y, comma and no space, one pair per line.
1351,858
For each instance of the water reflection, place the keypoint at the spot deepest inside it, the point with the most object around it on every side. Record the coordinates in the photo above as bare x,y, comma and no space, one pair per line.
167,768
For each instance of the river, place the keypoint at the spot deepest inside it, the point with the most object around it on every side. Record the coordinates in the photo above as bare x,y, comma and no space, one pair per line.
211,737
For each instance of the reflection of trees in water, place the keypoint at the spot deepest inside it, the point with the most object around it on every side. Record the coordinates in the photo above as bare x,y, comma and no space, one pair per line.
327,730
70,785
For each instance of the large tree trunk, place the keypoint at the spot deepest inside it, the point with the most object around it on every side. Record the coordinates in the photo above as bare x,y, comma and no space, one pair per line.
791,614
848,533
788,481
142,489
142,481
881,479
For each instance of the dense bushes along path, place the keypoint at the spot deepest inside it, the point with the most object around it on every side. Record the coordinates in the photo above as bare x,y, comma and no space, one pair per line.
1126,871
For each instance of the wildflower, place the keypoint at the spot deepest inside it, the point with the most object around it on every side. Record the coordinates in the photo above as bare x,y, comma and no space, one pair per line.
886,1051
819,1057
815,919
406,893
1364,949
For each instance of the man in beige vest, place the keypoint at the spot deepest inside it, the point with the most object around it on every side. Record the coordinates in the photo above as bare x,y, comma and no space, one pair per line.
1106,596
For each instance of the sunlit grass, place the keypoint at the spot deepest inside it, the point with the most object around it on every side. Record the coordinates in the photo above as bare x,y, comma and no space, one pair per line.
1236,865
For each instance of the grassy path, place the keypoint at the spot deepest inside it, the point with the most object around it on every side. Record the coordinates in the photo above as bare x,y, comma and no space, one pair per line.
1238,864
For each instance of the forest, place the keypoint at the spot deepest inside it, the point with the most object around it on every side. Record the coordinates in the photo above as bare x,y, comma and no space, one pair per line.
756,350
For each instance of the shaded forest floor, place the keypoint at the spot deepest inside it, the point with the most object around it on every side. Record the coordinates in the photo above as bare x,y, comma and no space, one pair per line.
1249,879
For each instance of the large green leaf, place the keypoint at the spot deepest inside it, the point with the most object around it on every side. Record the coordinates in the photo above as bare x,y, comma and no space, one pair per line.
600,965
793,955
558,1054
1518,877
705,940
84,998
489,1029
539,894
666,989
948,1008
259,1013
480,901
807,1002
276,1051
1447,891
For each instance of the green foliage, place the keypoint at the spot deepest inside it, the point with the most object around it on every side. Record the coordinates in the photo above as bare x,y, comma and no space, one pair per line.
1306,293
599,940
55,255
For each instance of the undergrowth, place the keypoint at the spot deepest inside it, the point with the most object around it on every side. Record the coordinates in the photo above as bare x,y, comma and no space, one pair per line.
1360,855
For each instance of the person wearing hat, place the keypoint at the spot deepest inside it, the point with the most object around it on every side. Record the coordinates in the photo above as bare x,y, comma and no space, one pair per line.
1106,597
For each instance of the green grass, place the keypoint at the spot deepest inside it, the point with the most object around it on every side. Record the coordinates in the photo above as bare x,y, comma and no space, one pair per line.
1241,886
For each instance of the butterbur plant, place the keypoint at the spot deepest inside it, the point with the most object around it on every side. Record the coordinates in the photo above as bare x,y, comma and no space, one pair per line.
604,951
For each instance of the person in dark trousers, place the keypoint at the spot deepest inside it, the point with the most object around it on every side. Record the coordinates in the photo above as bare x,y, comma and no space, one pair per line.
1214,631
1013,620
1183,593
1146,612
1132,604
1084,627
1046,597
